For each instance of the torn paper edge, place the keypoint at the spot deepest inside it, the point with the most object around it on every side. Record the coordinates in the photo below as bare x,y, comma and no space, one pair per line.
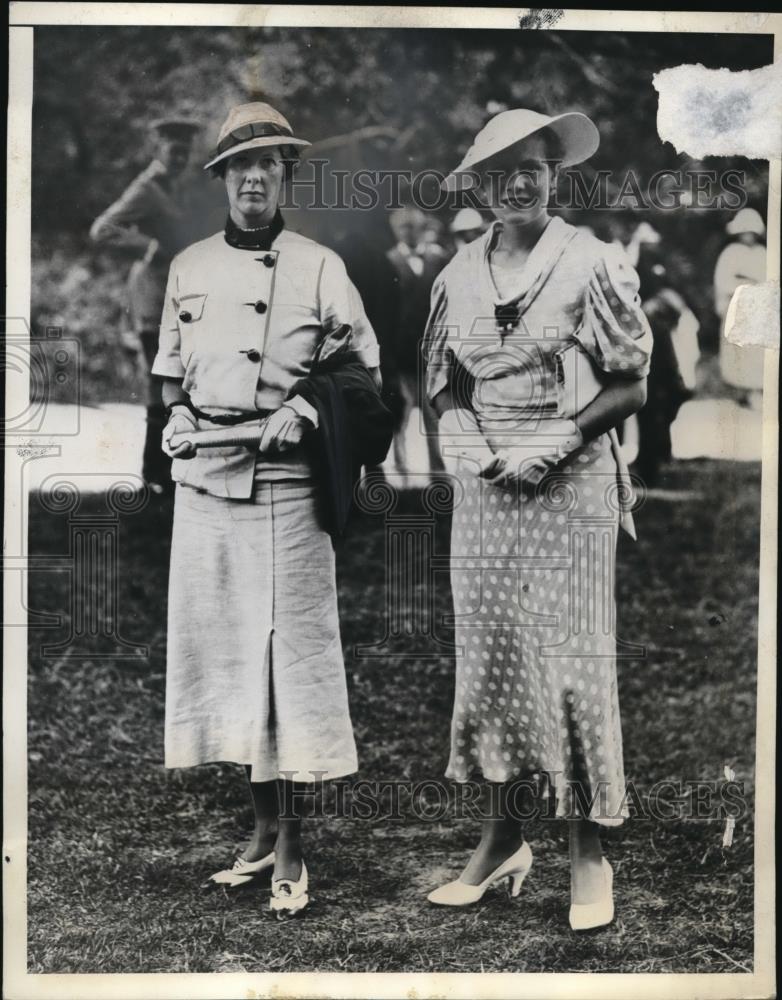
752,319
721,112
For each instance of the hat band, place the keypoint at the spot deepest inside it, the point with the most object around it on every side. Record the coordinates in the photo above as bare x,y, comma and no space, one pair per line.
255,130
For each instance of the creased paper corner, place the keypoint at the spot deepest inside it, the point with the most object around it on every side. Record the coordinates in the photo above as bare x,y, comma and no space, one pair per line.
752,319
716,112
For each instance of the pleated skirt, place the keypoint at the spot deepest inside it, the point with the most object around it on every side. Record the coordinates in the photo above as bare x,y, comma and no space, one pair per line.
255,672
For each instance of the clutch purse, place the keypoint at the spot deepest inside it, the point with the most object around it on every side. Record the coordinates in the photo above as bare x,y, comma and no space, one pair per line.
579,381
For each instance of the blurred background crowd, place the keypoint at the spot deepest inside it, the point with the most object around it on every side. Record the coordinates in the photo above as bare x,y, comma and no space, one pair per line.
124,118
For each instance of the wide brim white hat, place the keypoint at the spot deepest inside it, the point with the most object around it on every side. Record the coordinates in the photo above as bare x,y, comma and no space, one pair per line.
252,126
578,137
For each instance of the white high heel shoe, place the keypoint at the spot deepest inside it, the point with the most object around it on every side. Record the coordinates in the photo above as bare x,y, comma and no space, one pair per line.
459,893
586,916
289,897
241,873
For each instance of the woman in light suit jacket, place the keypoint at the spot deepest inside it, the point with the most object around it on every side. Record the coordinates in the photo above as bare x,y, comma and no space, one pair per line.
255,672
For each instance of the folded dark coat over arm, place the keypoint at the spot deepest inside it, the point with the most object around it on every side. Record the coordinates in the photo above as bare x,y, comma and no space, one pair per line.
355,429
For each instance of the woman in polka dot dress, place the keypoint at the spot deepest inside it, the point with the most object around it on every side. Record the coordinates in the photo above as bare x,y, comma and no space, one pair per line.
538,503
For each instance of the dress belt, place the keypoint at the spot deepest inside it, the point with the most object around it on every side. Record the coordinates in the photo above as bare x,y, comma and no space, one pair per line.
229,419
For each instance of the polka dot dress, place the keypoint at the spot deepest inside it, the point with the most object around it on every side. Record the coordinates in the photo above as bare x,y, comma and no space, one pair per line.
532,571
532,582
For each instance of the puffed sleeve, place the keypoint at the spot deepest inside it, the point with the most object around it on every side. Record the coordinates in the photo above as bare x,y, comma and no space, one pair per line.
168,361
437,354
614,330
342,315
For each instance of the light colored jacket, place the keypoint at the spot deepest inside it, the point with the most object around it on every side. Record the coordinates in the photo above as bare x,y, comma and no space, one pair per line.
240,327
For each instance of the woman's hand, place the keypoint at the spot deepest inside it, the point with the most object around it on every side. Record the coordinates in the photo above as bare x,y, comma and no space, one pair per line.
462,445
282,430
520,466
180,422
527,464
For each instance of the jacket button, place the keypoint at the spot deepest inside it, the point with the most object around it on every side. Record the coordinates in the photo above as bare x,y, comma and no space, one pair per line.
260,307
254,356
185,316
268,260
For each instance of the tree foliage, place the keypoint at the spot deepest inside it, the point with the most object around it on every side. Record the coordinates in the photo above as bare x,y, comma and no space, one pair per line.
97,89
421,93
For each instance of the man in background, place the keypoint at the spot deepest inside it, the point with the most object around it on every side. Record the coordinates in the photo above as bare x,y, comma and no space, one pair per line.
356,239
416,264
671,381
149,222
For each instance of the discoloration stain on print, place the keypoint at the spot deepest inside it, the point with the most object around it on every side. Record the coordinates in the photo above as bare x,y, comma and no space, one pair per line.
720,114
545,17
717,112
30,450
251,15
752,319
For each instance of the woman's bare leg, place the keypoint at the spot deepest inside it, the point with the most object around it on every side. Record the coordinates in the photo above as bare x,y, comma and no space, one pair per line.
278,807
264,797
278,814
586,862
288,854
501,834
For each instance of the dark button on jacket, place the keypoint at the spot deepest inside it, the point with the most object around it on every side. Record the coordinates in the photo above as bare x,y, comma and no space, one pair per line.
313,311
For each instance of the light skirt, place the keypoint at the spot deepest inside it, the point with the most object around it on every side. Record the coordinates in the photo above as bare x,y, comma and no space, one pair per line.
255,672
532,577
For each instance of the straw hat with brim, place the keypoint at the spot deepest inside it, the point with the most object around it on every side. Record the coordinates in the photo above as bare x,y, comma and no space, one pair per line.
578,136
252,126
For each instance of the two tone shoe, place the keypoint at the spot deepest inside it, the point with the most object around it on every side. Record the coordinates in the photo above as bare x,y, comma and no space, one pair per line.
289,897
588,916
458,893
242,873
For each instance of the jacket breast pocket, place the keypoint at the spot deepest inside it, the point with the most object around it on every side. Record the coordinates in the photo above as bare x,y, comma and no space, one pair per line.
191,308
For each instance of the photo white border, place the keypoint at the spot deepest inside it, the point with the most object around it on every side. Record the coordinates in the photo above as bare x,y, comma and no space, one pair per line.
18,984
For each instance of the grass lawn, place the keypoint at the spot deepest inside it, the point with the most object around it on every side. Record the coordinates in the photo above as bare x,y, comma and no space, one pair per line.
118,846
